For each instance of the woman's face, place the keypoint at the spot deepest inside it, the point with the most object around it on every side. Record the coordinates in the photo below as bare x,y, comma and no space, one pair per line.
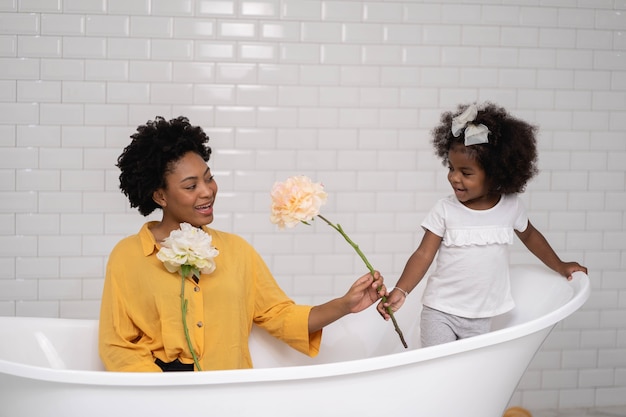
189,192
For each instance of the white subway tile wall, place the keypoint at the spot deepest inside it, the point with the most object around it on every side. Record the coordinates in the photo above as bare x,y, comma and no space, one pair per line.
343,91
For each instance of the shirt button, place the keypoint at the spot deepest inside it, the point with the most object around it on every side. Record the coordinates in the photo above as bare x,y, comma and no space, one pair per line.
199,324
196,289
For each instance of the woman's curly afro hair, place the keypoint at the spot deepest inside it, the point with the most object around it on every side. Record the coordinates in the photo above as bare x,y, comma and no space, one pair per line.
154,148
510,157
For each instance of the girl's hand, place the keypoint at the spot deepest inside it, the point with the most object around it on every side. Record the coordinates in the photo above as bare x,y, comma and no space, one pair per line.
395,299
568,268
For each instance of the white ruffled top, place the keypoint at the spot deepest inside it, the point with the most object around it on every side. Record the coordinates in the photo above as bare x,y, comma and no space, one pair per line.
471,276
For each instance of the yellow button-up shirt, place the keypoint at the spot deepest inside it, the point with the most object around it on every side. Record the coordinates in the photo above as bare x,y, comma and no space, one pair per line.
141,319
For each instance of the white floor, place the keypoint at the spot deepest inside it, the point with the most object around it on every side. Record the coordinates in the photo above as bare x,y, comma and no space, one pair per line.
583,412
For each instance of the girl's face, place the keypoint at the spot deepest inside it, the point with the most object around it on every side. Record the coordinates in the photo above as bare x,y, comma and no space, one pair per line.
189,193
468,180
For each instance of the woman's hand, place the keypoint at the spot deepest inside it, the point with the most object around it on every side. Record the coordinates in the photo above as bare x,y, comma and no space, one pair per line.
362,294
365,291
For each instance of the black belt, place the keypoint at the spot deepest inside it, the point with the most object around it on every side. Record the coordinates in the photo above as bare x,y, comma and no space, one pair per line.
174,366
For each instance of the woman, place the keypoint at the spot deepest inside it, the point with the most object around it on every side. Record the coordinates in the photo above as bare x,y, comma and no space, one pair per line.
141,326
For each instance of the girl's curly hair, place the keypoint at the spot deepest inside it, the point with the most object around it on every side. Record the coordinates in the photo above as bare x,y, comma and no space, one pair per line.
510,157
154,148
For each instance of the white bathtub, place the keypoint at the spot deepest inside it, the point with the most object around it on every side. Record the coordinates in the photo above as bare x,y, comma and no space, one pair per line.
50,367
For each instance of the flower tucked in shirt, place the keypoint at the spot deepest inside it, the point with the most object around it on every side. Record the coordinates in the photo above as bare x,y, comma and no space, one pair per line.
188,246
188,250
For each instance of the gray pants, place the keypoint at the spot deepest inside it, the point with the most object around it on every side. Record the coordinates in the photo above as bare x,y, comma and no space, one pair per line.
438,327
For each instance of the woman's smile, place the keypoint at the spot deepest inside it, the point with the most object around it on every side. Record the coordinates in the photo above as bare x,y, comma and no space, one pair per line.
205,209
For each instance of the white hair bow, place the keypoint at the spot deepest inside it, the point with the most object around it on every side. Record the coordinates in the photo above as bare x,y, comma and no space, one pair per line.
474,134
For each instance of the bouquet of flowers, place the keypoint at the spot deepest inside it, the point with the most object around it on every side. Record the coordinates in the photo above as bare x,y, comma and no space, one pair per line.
298,200
189,251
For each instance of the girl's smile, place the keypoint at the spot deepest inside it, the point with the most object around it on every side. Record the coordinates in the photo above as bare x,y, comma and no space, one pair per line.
469,180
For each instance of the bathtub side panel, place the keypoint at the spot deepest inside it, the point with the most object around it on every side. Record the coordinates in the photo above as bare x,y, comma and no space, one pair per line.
476,383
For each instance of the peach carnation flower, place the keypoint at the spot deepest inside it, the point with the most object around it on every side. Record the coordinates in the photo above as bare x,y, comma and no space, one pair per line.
298,200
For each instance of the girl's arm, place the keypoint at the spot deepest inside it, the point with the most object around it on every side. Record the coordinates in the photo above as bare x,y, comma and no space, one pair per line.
414,270
539,246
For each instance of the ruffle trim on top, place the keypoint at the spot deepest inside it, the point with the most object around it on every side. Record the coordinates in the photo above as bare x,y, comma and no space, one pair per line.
478,236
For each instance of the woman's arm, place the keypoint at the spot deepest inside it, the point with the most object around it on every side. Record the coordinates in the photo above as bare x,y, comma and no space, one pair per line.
118,336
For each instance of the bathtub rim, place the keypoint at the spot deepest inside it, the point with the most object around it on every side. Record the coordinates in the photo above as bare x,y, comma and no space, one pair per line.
581,289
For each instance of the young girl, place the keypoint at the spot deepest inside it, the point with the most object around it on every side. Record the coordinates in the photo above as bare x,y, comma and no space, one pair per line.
165,168
490,157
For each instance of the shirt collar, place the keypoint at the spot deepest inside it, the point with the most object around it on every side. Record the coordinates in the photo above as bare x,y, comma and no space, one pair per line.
148,243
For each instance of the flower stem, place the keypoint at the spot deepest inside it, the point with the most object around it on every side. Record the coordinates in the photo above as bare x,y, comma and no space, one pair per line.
183,308
369,266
